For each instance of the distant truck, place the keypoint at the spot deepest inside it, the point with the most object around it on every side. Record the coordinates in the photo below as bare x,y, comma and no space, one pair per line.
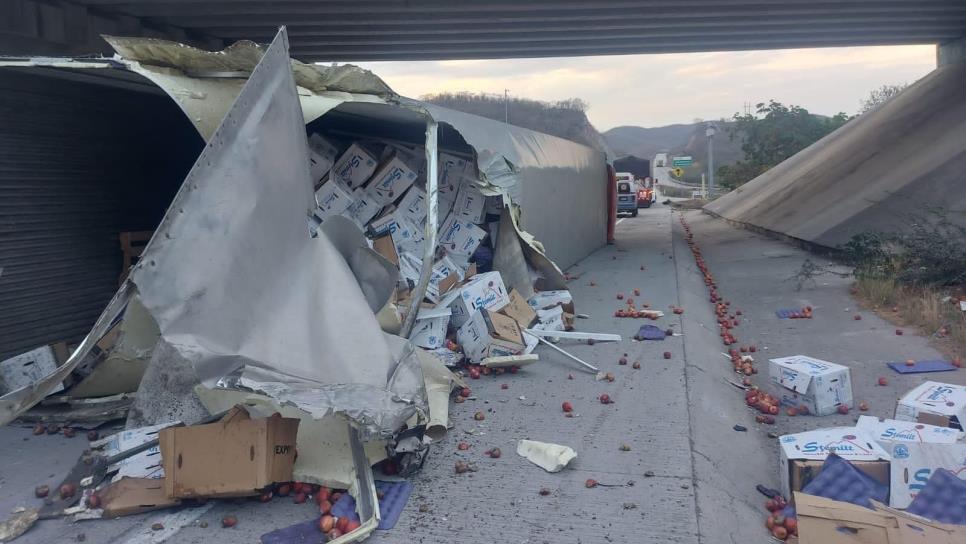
626,194
661,168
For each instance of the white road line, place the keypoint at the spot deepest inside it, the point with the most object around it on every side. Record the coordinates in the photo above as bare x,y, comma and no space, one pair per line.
619,221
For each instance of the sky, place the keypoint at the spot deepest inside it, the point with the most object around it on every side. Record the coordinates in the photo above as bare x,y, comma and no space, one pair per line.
657,90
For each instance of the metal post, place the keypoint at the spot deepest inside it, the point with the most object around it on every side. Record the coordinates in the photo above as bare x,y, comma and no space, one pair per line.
506,106
710,133
432,198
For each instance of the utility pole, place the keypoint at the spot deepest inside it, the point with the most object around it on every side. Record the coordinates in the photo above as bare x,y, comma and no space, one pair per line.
709,132
506,106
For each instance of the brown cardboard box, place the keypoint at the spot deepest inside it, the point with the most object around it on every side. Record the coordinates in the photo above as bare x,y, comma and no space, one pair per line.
824,521
503,327
135,495
384,246
234,457
519,310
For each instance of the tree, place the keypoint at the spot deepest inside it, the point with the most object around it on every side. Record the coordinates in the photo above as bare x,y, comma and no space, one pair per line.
772,134
880,96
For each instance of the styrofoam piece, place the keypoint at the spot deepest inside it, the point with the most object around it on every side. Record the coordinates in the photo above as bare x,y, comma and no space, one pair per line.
549,457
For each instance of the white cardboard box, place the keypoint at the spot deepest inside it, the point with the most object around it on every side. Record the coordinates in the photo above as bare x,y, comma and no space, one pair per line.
413,206
476,336
548,299
469,204
887,431
430,329
483,291
354,167
813,447
27,368
460,237
390,181
442,269
333,199
450,176
322,155
913,463
550,319
820,385
364,207
934,402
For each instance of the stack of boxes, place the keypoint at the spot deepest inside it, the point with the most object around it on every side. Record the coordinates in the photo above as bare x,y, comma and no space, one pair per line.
381,187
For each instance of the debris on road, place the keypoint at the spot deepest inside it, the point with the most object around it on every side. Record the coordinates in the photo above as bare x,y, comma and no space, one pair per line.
820,386
549,457
915,367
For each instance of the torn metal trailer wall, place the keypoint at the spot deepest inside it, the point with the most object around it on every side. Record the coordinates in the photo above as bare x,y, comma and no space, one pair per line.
905,157
560,186
262,298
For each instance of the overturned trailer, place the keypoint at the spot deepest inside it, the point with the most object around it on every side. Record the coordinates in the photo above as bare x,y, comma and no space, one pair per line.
248,291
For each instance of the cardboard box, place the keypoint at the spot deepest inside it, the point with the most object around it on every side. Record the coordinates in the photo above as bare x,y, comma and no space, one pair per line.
460,238
354,167
819,385
322,146
134,496
886,431
332,199
390,181
234,457
450,176
430,329
322,155
410,266
27,368
469,204
407,237
482,292
913,463
413,206
519,309
364,207
490,334
824,521
550,319
445,275
935,403
802,455
547,299
384,246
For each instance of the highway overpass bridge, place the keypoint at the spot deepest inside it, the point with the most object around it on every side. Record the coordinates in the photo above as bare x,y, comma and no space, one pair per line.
368,30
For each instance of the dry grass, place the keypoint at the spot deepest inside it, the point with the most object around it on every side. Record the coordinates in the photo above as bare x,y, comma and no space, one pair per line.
918,307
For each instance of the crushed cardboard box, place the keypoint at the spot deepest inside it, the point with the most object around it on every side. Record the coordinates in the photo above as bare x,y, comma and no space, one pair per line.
234,457
135,496
518,309
490,334
825,521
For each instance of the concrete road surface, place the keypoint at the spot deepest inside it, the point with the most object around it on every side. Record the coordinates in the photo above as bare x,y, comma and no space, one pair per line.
687,477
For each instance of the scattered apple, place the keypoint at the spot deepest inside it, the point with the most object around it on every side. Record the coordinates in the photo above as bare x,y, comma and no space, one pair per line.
326,523
229,521
605,399
883,381
479,416
843,409
590,483
567,407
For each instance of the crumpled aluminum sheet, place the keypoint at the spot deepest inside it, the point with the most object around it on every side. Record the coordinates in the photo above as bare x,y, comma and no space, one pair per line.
237,283
243,56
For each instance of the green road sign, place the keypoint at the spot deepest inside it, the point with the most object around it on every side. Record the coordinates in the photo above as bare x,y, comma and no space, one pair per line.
681,161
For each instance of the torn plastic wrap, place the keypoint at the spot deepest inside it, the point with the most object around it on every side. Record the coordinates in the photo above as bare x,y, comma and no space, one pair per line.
238,285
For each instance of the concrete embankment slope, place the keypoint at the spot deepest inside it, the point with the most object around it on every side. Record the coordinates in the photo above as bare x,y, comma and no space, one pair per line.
908,154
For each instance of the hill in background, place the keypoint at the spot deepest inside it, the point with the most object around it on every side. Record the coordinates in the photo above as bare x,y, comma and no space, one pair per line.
565,119
568,119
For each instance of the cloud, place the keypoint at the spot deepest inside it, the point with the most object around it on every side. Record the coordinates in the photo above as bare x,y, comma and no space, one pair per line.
653,90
